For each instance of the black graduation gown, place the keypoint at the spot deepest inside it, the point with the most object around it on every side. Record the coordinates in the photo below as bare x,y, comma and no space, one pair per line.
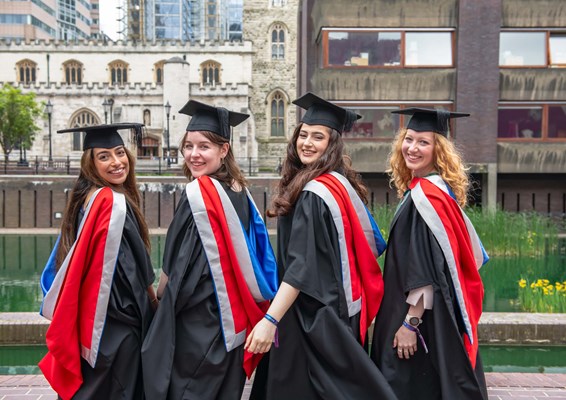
415,259
319,354
118,371
185,346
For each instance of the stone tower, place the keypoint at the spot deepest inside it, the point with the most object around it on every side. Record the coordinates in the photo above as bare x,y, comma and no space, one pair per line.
272,27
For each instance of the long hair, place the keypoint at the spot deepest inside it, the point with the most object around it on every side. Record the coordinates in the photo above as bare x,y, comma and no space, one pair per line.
229,171
87,180
447,162
295,175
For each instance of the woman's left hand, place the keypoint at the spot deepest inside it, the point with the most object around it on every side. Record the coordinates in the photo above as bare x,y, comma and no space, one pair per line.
406,342
261,337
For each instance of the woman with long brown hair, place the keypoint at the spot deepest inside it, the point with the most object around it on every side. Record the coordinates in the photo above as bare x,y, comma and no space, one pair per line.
425,338
218,273
98,282
327,249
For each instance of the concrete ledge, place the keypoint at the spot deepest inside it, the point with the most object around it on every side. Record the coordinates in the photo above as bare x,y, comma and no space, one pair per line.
494,328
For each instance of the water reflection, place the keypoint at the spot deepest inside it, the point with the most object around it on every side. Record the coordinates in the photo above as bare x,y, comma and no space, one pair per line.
22,258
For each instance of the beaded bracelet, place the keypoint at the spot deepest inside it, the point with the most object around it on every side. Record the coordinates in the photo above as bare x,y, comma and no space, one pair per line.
274,322
418,332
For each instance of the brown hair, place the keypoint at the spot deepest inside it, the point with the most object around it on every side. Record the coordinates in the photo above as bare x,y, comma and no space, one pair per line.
229,170
295,175
447,162
88,179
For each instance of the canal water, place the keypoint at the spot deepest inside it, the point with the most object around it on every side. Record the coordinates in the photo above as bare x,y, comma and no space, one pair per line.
22,258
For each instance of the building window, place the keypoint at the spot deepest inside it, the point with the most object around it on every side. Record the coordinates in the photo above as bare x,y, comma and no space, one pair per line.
211,19
73,72
82,118
277,114
277,42
118,72
557,49
386,48
147,117
26,71
377,122
158,75
210,73
278,3
522,49
539,121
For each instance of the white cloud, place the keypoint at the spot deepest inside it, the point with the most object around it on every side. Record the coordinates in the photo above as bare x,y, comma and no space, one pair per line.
109,15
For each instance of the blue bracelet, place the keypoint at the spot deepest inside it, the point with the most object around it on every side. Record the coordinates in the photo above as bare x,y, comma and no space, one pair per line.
271,319
418,332
274,322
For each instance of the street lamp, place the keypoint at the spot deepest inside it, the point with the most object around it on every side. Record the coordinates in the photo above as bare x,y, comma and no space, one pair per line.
168,112
108,105
49,111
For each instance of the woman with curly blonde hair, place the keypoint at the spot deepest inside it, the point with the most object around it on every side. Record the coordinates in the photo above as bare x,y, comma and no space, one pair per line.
425,337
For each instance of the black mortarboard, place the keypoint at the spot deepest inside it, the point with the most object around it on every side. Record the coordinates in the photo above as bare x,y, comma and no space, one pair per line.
430,120
322,112
213,119
105,136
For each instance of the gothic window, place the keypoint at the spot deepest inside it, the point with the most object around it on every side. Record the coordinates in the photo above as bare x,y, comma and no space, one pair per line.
278,3
118,72
26,71
82,118
158,75
277,114
277,42
210,73
73,72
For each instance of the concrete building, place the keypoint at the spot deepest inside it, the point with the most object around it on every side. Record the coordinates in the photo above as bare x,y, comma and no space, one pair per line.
49,19
501,60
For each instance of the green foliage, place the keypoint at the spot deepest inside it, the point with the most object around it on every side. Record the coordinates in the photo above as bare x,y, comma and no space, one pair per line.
18,115
506,233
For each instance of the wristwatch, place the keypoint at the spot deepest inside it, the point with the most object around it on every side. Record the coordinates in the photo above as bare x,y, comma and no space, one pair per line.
413,321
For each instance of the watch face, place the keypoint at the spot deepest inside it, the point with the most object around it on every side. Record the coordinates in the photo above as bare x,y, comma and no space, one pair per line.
414,321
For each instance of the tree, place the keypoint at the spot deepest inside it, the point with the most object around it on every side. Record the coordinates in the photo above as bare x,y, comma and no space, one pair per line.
18,115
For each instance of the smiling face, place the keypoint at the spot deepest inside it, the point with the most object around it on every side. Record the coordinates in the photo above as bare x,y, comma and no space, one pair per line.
418,152
202,157
312,142
112,165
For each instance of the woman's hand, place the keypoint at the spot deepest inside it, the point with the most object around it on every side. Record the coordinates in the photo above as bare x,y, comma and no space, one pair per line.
406,342
261,337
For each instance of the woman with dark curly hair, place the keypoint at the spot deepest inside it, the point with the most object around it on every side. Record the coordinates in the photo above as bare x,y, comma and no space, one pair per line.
98,281
327,249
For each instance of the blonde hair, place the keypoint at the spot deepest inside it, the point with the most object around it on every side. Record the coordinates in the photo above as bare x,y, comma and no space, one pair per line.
447,162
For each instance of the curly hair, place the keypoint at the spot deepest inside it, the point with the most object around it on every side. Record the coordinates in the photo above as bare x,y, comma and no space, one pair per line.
447,162
295,175
87,180
229,171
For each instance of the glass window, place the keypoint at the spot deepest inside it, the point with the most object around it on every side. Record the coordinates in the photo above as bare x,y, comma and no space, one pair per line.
557,121
364,48
277,115
428,49
520,122
377,122
522,49
557,44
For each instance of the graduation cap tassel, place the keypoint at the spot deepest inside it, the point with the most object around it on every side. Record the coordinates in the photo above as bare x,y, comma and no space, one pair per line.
224,119
443,120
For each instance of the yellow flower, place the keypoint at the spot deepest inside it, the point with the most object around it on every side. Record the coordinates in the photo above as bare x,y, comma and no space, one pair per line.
522,283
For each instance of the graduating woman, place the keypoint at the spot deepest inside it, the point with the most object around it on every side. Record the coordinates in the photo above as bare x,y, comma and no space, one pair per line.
98,280
219,272
425,338
327,247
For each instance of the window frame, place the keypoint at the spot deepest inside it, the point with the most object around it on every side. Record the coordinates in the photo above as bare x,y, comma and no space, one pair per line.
549,32
323,42
278,96
544,123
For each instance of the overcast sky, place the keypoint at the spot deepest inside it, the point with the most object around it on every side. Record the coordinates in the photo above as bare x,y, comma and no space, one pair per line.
109,15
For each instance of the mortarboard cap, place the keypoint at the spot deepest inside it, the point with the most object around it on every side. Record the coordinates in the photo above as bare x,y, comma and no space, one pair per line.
213,119
430,120
322,112
105,136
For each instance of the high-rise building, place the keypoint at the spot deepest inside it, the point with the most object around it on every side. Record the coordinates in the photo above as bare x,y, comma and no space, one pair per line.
186,20
49,19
